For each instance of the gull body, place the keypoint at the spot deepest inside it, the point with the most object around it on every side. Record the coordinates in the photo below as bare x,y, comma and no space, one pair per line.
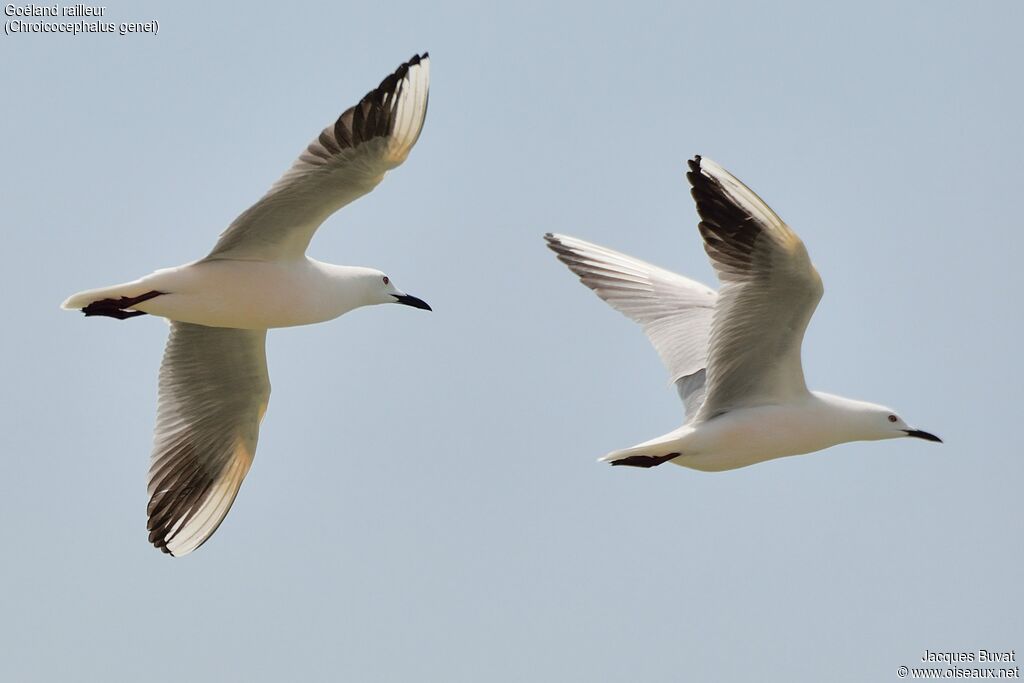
214,386
751,435
252,295
734,354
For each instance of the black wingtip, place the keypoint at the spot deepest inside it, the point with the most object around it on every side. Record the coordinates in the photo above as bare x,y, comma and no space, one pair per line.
372,117
555,244
694,175
415,59
565,253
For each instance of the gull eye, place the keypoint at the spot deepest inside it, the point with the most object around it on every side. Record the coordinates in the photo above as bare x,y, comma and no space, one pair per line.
386,280
893,418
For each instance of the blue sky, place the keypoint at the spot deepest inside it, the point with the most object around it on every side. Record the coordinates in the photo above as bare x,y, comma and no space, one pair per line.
425,502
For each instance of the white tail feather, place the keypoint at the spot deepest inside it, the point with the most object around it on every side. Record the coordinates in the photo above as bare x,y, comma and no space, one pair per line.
657,447
82,299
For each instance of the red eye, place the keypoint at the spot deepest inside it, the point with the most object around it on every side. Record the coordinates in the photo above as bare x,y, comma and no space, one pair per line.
386,280
893,418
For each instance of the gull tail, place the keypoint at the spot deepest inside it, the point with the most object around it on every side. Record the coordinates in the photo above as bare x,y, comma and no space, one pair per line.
649,453
118,301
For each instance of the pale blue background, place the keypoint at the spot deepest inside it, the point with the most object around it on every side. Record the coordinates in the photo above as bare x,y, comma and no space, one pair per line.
425,505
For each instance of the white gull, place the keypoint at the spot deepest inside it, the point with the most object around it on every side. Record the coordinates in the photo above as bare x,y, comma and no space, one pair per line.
214,386
735,355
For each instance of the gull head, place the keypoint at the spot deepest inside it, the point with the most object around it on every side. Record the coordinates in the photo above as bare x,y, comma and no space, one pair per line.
379,289
880,422
863,421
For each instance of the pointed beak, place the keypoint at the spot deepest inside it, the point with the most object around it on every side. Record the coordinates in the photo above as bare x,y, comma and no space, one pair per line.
920,434
410,300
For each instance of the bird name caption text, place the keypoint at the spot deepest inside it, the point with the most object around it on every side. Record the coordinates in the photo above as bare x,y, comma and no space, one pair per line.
71,20
964,664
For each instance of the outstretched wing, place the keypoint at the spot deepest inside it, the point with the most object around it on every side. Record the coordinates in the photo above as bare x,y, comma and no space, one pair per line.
769,292
214,391
345,162
674,311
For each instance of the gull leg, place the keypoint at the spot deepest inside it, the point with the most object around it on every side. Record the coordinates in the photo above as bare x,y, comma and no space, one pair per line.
118,308
645,460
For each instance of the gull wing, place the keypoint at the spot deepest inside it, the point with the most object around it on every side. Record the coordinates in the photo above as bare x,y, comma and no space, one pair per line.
346,161
674,311
214,390
768,295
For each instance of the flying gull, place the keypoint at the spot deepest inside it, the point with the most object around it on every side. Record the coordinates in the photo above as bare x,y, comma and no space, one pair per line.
734,356
214,388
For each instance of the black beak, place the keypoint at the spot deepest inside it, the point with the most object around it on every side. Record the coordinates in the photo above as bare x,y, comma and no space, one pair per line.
410,300
922,435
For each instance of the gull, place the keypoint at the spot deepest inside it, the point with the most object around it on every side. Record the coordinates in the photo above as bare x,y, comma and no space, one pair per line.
214,387
734,355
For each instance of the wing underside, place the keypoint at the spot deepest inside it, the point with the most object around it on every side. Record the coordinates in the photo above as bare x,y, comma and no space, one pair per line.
214,391
347,160
674,311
